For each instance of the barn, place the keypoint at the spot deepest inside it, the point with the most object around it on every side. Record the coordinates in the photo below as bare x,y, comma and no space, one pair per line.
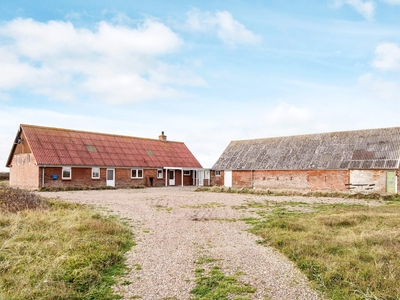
45,157
355,161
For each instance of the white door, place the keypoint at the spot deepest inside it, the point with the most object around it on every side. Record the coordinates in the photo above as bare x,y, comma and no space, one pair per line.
200,177
171,177
110,177
228,178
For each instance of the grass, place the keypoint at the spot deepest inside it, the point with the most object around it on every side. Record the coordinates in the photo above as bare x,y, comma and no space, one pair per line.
215,285
204,205
267,192
348,252
57,250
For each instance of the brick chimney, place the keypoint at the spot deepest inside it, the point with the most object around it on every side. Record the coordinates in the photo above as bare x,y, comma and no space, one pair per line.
162,137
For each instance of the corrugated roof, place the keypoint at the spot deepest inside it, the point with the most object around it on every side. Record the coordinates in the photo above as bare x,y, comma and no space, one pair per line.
359,149
56,146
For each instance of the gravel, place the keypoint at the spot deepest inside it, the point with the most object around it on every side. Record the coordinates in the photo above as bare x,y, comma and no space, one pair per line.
174,227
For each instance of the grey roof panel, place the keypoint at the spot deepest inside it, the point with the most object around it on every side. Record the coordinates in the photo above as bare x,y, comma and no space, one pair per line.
359,149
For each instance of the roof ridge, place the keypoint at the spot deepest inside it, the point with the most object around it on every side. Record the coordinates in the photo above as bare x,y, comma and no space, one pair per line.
97,133
318,133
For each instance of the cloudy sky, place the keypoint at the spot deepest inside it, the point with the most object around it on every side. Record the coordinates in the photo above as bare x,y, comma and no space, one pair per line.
205,72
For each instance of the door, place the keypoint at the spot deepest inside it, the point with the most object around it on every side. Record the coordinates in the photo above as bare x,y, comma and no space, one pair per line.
391,182
110,177
228,178
200,177
171,177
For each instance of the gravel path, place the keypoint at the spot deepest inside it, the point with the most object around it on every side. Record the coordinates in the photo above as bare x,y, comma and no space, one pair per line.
174,227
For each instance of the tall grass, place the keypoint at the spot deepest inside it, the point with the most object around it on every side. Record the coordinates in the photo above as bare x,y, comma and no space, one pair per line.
348,252
56,250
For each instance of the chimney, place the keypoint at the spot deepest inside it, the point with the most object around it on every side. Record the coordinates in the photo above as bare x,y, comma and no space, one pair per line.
162,137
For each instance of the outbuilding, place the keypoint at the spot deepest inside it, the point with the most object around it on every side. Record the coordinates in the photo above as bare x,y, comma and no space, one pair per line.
46,156
355,161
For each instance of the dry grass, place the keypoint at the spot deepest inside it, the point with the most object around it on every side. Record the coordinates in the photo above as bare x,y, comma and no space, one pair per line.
349,252
55,250
268,192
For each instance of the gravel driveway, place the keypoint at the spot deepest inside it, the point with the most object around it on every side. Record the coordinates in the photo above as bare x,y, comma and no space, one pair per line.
174,227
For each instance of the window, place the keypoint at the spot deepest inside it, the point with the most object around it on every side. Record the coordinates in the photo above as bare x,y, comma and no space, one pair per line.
137,173
17,159
217,173
159,173
66,173
186,172
29,159
95,173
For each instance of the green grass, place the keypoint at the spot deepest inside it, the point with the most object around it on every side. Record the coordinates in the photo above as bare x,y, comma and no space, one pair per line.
215,285
58,250
348,252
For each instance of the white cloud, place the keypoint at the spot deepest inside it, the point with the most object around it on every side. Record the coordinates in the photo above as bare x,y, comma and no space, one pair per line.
285,114
378,88
365,8
387,57
115,63
229,30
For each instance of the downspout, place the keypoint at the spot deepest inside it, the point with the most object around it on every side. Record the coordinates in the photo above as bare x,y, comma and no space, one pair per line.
181,177
166,177
44,166
252,179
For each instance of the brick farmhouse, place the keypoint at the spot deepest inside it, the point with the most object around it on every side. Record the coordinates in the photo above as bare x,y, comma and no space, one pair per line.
45,157
355,161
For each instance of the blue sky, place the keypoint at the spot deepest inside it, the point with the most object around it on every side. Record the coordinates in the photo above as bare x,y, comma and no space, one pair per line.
205,72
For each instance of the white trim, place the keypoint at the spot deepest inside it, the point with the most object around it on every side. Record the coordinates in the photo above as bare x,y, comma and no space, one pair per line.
162,173
93,172
136,173
66,169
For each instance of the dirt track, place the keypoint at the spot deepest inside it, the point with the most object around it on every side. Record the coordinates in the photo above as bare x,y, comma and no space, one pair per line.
174,227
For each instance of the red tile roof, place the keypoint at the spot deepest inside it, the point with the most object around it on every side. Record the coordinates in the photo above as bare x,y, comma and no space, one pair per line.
56,146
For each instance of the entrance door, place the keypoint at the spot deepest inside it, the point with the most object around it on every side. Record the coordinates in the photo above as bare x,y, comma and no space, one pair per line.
110,178
228,178
391,182
171,177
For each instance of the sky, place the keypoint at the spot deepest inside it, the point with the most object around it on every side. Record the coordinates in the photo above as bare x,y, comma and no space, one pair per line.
204,72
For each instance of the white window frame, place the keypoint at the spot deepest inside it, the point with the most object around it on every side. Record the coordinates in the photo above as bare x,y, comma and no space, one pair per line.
185,173
160,171
217,173
135,173
95,170
70,173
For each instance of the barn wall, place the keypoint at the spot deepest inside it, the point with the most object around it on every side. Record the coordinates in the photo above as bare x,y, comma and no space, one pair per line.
24,174
368,180
330,180
217,180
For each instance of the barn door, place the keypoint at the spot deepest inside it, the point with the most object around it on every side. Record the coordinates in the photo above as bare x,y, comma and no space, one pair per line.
391,182
228,178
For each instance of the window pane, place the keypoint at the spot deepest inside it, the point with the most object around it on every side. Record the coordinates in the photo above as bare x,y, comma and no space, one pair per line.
66,173
159,173
133,175
96,172
140,173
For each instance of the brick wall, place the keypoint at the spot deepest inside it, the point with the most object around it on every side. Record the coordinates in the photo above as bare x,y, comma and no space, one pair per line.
324,180
368,180
24,173
217,180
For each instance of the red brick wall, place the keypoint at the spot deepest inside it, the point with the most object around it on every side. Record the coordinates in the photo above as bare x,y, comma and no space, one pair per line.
217,180
331,180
